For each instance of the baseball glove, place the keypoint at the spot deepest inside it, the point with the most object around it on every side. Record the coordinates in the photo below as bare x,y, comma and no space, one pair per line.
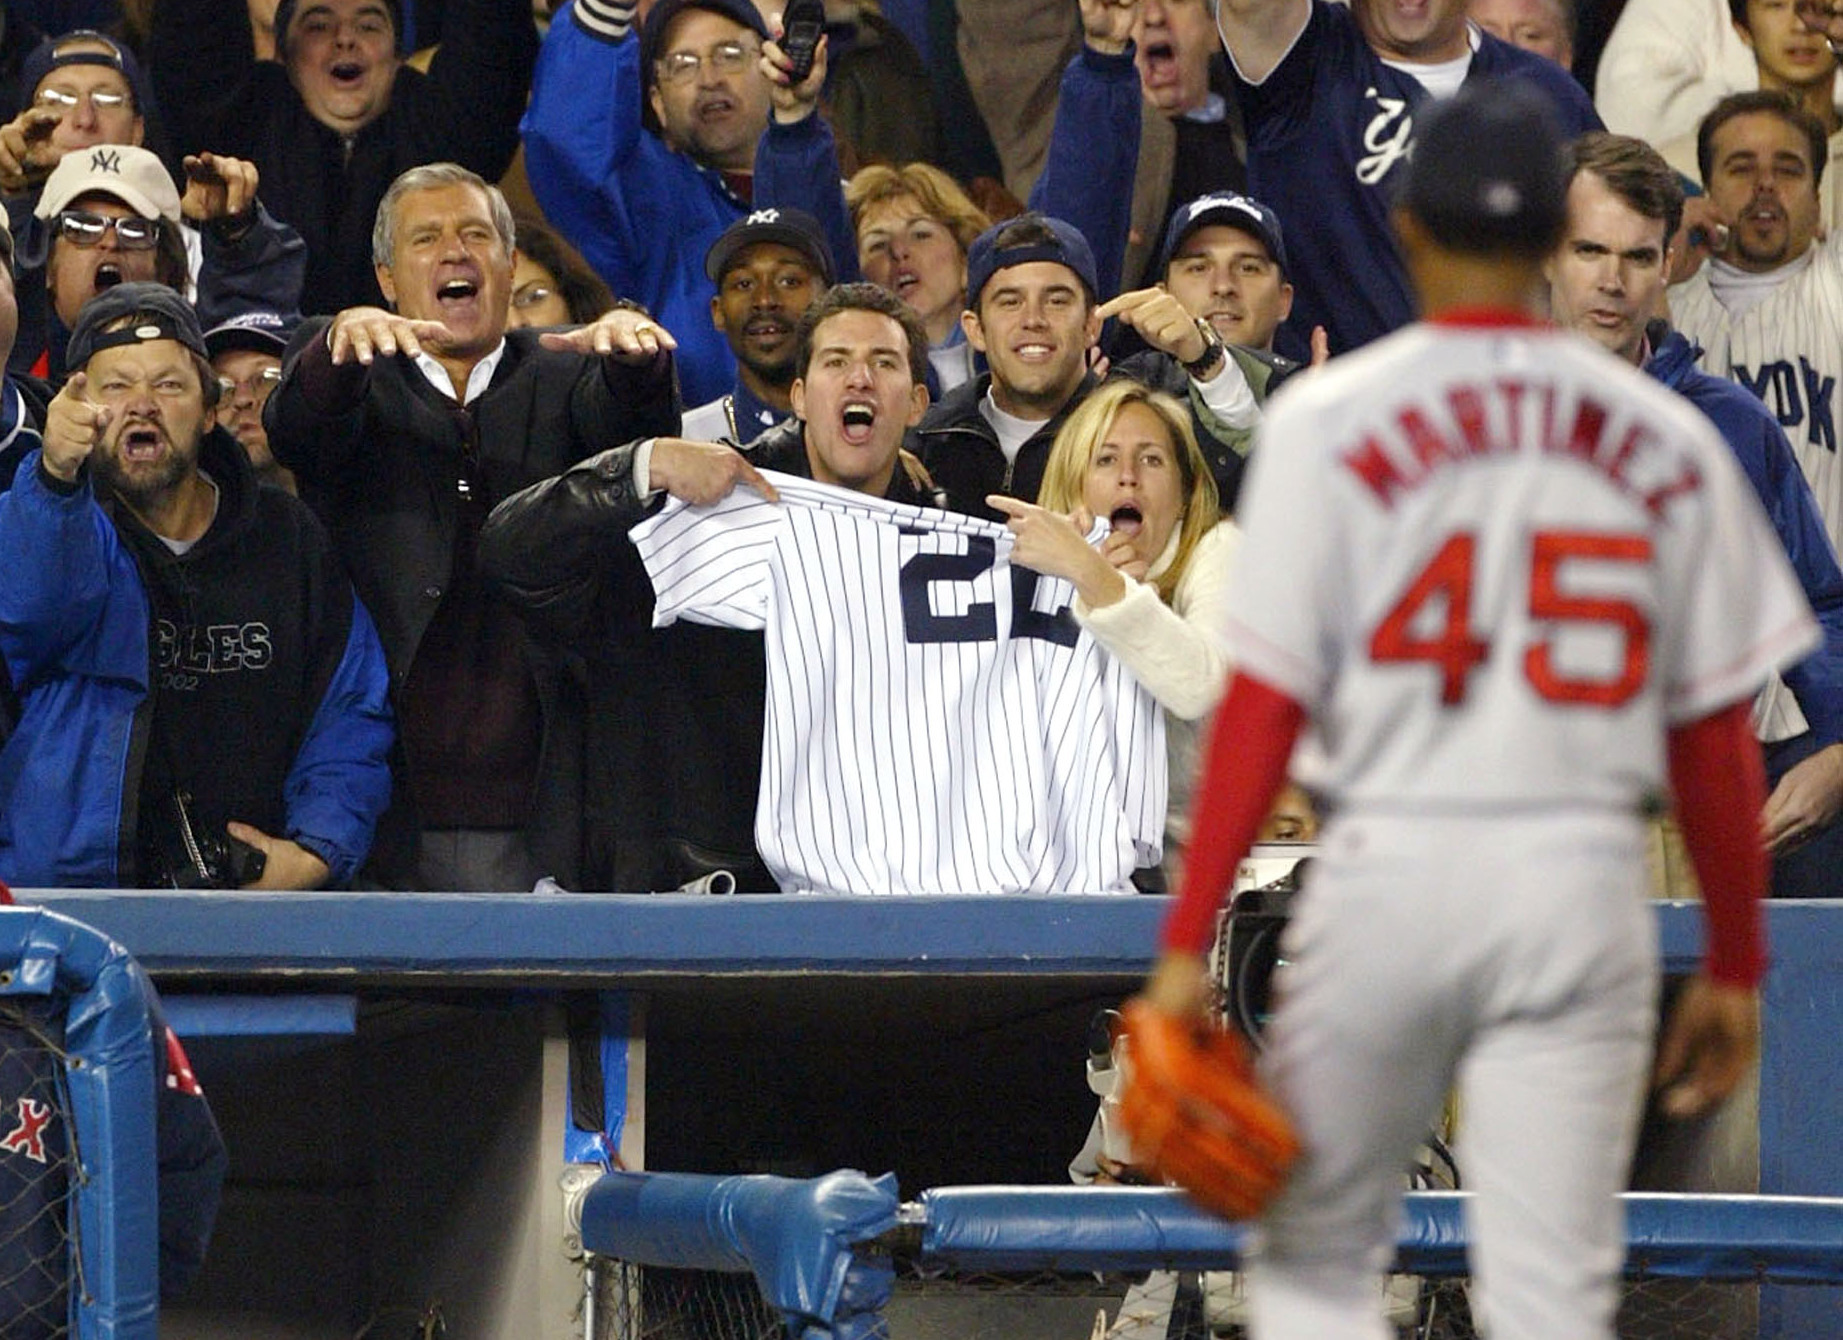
1197,1116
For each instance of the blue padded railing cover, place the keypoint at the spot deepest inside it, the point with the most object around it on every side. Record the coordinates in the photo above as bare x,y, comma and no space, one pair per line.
115,1252
795,1236
1788,1238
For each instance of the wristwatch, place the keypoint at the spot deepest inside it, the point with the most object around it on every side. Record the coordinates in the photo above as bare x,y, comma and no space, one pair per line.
1208,363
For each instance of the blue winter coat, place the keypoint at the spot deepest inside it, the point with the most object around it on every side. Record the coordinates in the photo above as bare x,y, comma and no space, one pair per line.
642,213
78,631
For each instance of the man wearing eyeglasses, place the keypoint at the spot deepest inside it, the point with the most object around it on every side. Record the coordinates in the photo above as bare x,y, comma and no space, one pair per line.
112,223
246,353
685,134
81,91
110,214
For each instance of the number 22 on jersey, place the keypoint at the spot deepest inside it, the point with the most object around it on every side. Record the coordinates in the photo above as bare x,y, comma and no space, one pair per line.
1431,621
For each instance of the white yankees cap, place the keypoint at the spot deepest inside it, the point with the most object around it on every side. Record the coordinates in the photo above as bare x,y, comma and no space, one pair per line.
131,174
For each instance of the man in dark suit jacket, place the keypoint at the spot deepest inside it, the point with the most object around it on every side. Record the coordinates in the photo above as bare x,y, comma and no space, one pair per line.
403,428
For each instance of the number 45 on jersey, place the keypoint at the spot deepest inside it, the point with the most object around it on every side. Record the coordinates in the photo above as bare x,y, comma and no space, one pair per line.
1431,621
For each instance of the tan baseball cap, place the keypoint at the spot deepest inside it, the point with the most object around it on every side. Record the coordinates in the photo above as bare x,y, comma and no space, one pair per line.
132,175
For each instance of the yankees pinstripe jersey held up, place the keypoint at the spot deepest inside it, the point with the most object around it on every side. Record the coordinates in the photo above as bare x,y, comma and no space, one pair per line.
1787,350
936,722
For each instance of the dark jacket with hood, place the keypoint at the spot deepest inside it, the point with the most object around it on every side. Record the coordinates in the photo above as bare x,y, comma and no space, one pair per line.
961,449
243,671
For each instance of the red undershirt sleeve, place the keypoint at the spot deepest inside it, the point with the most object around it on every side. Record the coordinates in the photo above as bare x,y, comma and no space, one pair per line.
1720,783
1249,749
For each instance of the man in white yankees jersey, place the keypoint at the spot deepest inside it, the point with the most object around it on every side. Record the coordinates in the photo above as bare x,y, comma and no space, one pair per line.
680,742
1767,310
1514,588
936,721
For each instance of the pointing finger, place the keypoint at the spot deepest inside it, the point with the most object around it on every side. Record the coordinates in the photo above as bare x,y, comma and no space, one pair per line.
650,337
40,123
1118,304
748,474
239,184
423,332
1011,507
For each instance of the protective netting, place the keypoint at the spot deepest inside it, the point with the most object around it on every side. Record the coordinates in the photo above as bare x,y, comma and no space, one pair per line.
651,1303
645,1303
1211,1305
36,1169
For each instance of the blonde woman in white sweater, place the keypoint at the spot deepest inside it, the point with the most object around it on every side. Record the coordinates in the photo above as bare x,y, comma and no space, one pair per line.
1153,592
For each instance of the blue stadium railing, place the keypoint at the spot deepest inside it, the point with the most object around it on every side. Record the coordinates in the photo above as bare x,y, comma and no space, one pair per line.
616,941
109,1077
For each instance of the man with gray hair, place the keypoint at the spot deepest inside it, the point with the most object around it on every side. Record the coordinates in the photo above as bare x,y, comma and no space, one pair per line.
404,426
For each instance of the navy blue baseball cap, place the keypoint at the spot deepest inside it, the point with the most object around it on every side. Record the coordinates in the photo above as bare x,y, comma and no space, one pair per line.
158,312
260,329
1050,240
1231,209
1487,174
790,227
659,18
54,53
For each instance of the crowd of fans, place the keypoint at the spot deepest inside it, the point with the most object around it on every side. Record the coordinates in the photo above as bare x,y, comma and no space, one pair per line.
342,376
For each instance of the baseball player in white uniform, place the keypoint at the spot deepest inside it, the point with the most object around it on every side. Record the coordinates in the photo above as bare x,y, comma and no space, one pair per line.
1514,589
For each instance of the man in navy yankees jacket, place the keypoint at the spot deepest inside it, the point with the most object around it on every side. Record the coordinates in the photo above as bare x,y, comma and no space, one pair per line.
1330,95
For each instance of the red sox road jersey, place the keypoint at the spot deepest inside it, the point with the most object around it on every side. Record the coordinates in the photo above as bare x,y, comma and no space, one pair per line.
1495,564
937,722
